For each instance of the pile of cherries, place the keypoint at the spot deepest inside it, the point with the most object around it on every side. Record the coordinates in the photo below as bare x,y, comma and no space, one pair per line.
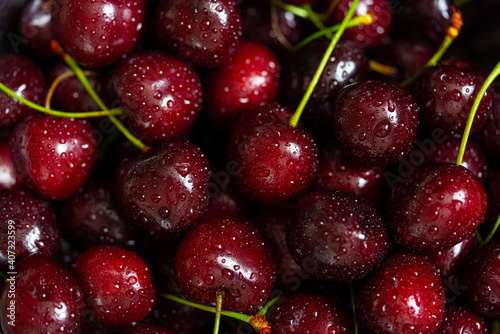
296,166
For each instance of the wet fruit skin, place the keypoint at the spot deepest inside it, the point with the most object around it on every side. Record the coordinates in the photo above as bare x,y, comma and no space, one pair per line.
436,207
461,319
8,176
36,27
310,313
403,295
376,122
166,189
53,155
98,33
48,299
336,236
160,95
206,33
117,284
34,222
229,255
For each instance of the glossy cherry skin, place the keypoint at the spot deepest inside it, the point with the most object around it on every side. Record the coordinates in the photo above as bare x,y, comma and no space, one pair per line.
165,190
480,278
8,176
376,122
93,217
276,163
446,95
250,79
36,28
52,155
365,35
436,207
336,236
206,33
146,329
35,227
160,95
403,295
47,299
461,319
228,255
227,202
117,284
98,33
310,313
24,77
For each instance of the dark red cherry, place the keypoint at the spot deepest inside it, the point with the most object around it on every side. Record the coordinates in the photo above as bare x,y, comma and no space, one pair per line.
98,33
207,33
226,201
461,319
376,122
250,79
117,285
276,163
165,190
146,329
30,222
47,299
9,179
338,171
446,94
347,64
227,255
365,35
23,76
93,217
35,27
53,156
310,313
480,280
489,135
160,95
492,187
336,236
436,207
403,295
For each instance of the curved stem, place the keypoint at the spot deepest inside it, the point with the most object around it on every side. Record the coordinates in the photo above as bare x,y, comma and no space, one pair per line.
479,238
351,293
298,112
295,10
382,68
314,17
58,80
57,113
492,233
472,114
268,305
219,297
276,27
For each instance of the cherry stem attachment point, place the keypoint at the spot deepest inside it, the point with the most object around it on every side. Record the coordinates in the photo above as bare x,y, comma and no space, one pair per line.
219,296
472,114
314,81
353,305
382,68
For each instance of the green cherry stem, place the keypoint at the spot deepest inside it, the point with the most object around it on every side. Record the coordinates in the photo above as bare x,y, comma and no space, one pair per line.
298,112
57,49
268,305
314,17
495,327
295,10
112,112
491,234
219,297
472,114
351,293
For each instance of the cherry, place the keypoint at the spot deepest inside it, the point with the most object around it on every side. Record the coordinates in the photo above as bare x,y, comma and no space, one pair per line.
446,95
310,313
436,207
382,128
347,64
93,217
146,329
276,163
227,202
53,156
25,78
8,176
35,27
460,318
248,80
34,223
337,171
403,295
47,299
117,285
98,33
207,33
225,255
160,95
336,236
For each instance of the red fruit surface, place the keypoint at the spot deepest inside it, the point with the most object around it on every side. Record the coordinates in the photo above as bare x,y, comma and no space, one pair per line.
8,176
461,319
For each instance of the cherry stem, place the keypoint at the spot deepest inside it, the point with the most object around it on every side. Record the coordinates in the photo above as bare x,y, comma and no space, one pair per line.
276,28
492,233
295,10
57,49
298,112
314,17
451,34
472,114
479,238
351,293
382,68
58,80
268,305
219,297
495,327
331,7
57,113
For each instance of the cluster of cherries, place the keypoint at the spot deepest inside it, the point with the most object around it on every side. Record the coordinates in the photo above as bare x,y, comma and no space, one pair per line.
296,166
